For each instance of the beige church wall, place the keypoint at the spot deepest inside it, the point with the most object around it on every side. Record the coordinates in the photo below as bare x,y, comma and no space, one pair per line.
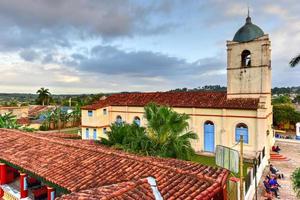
225,121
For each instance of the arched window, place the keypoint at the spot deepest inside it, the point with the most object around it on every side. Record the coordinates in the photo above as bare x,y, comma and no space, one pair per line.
137,120
209,123
119,119
246,58
241,129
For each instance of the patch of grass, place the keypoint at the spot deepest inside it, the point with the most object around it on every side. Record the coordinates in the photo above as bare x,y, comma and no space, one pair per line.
210,161
207,160
72,131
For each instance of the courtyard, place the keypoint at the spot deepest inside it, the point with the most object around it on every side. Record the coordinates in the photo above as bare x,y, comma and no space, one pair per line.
291,150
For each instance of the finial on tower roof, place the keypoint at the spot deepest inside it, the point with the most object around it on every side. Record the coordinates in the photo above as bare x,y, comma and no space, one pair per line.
248,19
248,11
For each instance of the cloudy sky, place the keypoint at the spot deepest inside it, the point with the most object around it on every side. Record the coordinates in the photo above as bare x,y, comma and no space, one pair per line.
88,46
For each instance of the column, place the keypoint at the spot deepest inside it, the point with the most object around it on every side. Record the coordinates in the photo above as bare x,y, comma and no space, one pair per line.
3,173
50,193
23,185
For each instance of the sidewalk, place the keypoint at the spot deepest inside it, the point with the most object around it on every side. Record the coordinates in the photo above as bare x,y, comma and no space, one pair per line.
292,152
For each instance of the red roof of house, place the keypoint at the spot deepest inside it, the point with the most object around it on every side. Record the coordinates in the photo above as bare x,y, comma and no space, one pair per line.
23,121
176,99
125,190
78,165
36,110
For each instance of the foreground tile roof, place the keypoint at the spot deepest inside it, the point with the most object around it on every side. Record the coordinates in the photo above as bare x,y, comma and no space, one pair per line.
78,165
125,190
176,99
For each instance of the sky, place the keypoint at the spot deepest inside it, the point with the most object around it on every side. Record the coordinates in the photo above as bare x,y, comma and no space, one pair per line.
92,46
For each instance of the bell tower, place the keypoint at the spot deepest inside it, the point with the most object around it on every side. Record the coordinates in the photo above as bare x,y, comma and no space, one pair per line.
249,63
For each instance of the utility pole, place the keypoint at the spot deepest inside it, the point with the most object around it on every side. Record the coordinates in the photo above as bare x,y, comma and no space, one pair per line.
241,168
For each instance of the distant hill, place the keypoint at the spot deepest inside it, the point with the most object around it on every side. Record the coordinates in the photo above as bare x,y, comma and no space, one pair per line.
27,98
275,90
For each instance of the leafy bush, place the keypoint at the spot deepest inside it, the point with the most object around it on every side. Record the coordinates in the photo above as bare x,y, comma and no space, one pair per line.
28,129
296,181
43,127
8,120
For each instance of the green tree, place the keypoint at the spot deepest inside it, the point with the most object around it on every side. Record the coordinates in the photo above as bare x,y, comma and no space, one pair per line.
43,96
297,99
75,115
129,137
283,113
168,132
296,181
295,61
283,99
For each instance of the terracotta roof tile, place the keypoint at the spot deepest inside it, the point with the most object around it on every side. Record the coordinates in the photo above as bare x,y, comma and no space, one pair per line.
36,110
78,165
176,99
23,121
139,189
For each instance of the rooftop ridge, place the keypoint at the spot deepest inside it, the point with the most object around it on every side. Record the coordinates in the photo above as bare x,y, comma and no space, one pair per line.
191,99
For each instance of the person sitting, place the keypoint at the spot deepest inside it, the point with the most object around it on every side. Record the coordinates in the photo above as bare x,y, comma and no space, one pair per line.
276,172
268,194
274,186
276,149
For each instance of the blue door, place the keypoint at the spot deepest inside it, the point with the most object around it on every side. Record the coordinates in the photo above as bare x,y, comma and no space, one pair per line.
87,134
95,134
241,131
209,137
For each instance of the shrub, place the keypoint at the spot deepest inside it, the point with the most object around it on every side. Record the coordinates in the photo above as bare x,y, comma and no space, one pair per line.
296,181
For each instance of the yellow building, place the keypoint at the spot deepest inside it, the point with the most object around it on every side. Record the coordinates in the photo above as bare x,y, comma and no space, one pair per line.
219,118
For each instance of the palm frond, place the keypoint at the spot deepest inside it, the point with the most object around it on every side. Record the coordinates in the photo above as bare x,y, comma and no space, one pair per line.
295,61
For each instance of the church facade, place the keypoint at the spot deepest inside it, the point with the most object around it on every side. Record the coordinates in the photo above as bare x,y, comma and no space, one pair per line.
218,118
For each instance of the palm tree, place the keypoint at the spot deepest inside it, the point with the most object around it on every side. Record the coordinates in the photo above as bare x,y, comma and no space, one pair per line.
168,131
75,115
44,95
295,61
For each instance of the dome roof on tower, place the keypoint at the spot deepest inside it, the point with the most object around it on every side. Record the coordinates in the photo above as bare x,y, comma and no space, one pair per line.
248,32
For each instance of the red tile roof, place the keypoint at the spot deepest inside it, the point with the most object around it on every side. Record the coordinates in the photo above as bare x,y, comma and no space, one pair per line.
79,165
176,99
23,121
36,110
125,190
